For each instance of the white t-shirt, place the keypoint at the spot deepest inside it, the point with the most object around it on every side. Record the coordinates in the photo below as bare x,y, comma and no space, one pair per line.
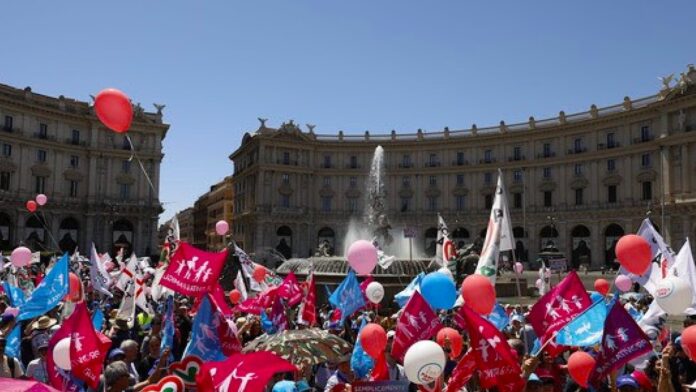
5,368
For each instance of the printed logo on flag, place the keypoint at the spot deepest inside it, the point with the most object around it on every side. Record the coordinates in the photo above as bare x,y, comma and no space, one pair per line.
193,271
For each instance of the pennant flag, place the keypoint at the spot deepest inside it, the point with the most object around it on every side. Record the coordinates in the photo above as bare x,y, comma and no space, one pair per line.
98,319
586,329
494,358
12,348
559,306
14,294
360,362
168,325
193,271
623,340
498,235
205,341
49,293
290,290
128,273
348,298
242,372
240,286
463,372
417,322
278,317
309,307
685,269
101,280
499,317
404,295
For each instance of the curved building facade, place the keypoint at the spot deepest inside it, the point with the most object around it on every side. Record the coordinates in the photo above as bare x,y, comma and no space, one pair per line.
96,190
579,180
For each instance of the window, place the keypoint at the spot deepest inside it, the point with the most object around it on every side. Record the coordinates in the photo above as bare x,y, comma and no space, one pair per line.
406,181
5,181
611,194
645,133
125,144
460,179
517,175
645,160
487,178
327,181
578,169
286,158
432,159
73,188
125,166
352,205
488,201
75,136
353,162
327,161
547,150
40,184
41,155
406,161
460,202
488,156
432,180
517,153
578,197
43,131
8,123
285,201
611,165
460,158
74,161
286,178
326,203
548,199
353,182
405,204
547,172
647,190
6,150
432,203
517,199
610,140
124,191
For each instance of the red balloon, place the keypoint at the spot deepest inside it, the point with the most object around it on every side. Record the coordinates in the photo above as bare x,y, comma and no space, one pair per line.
478,293
689,342
31,206
601,286
456,343
235,296
373,340
114,109
75,294
580,365
259,274
634,253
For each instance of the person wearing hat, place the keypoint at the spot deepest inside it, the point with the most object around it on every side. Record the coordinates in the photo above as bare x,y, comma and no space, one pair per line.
9,367
534,383
120,332
342,376
627,383
38,332
37,367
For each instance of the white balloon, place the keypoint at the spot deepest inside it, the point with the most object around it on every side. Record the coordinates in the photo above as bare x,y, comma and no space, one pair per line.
61,354
375,292
674,295
424,362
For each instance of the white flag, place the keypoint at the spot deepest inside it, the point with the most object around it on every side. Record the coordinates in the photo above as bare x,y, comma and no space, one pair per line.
248,268
126,309
141,297
239,285
128,273
663,258
101,280
442,235
174,230
498,235
685,269
158,291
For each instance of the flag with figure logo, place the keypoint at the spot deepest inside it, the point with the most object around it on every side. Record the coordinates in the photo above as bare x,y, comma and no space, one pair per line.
126,309
347,298
290,290
12,348
14,294
499,317
685,269
87,349
622,341
168,325
417,322
193,271
309,308
463,372
101,280
205,341
586,329
404,295
157,290
360,362
48,293
499,236
242,372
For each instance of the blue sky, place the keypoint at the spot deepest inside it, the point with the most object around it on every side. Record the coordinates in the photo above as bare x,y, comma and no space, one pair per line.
351,65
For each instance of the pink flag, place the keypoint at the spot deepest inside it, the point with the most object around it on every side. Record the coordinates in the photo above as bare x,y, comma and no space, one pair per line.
417,322
227,331
242,372
495,361
290,290
559,306
260,302
193,271
217,297
277,316
309,308
463,372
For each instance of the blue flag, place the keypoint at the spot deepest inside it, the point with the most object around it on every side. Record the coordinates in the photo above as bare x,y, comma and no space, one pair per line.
49,293
348,297
205,340
360,362
499,317
403,296
168,323
635,313
98,320
586,329
267,324
15,294
13,340
536,347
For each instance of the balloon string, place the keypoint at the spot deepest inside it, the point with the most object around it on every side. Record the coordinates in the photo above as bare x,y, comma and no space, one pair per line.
142,167
42,219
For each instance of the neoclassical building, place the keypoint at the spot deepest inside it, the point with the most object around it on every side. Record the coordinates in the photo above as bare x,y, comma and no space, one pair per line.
96,188
580,180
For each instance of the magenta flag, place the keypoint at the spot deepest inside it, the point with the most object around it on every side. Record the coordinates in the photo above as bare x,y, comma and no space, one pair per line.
193,271
623,340
242,372
417,322
260,302
217,297
290,290
559,306
278,317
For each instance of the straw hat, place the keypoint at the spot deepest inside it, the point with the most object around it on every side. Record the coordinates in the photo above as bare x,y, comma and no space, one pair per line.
44,322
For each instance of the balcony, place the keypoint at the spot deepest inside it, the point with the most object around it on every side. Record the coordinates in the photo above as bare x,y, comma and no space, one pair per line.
75,142
549,154
432,164
643,139
38,135
463,162
572,151
405,165
284,162
486,161
517,158
326,166
608,146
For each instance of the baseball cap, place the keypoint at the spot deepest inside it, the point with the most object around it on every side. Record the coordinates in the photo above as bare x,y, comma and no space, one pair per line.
626,381
534,378
284,386
519,318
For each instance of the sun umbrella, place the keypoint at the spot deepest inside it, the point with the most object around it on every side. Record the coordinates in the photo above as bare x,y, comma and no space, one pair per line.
12,385
302,347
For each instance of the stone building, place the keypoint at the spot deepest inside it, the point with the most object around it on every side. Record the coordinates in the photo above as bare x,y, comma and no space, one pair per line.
580,180
96,189
219,208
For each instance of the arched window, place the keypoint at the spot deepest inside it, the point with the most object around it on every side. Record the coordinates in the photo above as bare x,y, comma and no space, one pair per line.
68,234
284,244
611,236
35,233
430,237
518,232
5,230
580,231
122,235
581,247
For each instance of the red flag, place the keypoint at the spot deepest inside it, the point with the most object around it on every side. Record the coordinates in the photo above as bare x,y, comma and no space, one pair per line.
242,372
193,271
217,298
290,290
309,308
260,302
559,306
463,372
494,358
227,331
381,370
417,322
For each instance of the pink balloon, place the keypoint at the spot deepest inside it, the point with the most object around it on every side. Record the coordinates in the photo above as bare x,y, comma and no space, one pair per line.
41,199
623,283
21,256
519,267
362,256
538,283
222,227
